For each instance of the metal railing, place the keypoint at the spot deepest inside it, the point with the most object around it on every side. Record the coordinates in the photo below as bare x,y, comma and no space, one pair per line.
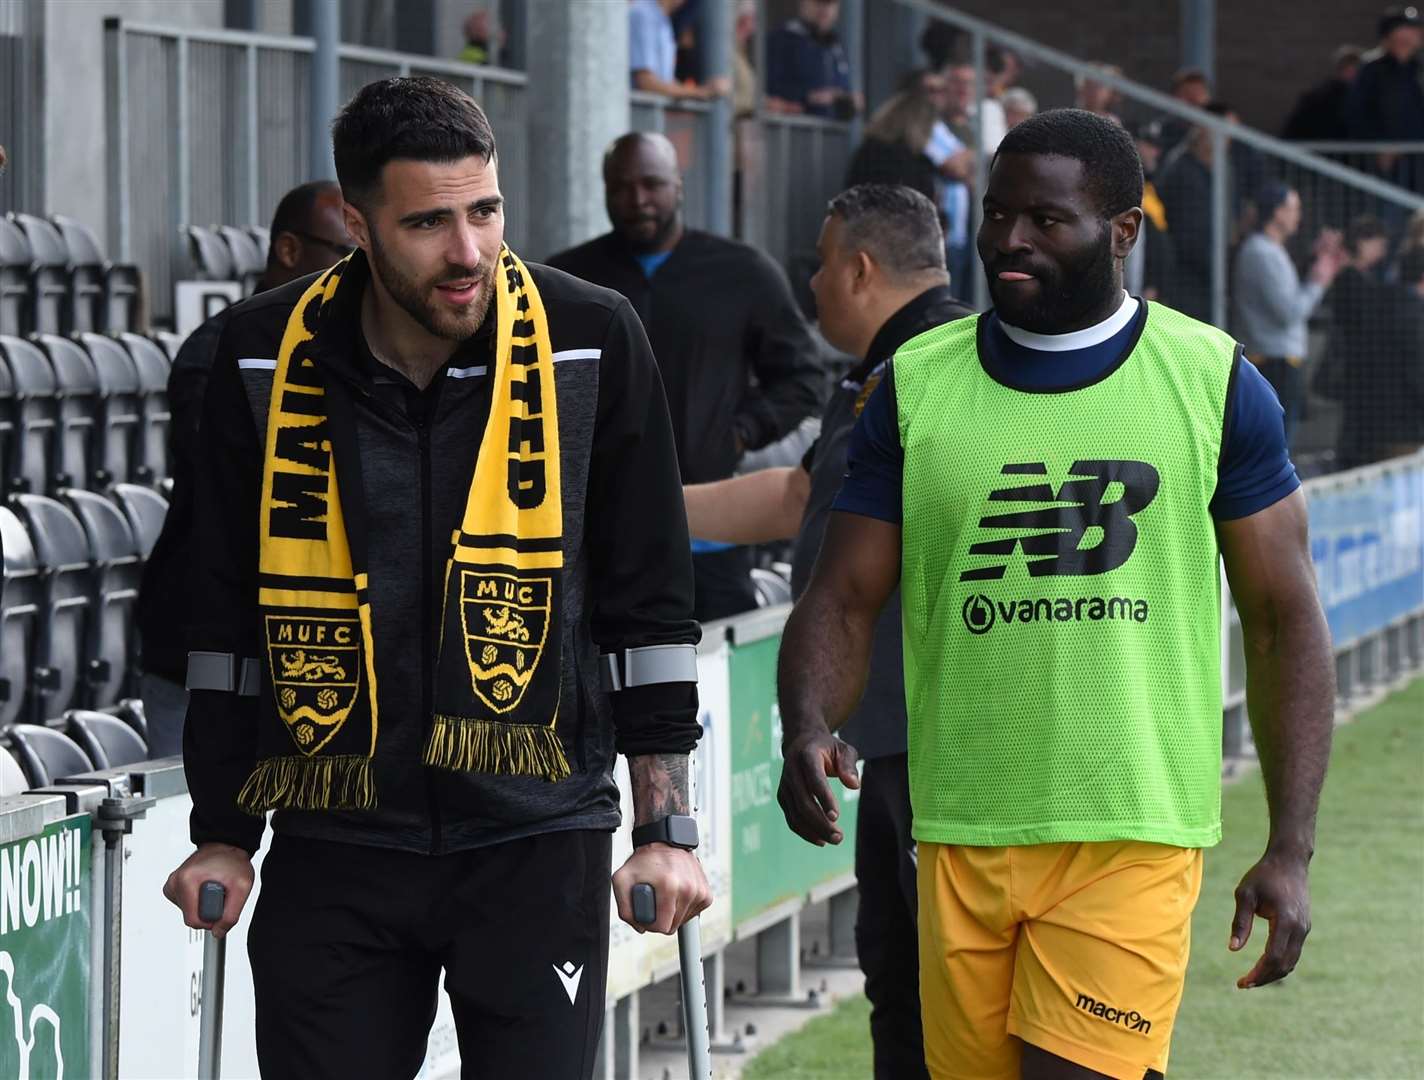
1399,163
211,126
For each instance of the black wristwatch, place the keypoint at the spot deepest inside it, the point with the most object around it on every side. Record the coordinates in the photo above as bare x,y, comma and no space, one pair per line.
676,829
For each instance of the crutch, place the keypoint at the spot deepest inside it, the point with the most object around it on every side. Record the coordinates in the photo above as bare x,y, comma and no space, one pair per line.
694,991
212,898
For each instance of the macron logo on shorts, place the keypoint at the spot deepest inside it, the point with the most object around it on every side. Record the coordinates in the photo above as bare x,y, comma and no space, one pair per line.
1132,1020
569,976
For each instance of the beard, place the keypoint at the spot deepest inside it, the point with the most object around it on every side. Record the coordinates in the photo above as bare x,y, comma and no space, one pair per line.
1063,296
417,300
642,242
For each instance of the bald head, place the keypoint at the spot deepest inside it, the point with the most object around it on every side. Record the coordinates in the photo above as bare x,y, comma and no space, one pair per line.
643,191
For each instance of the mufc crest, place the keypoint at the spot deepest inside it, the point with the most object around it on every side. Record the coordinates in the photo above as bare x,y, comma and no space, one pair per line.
506,619
316,673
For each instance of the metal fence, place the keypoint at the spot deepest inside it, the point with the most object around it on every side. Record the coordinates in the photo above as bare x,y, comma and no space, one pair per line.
211,127
688,124
1343,341
21,117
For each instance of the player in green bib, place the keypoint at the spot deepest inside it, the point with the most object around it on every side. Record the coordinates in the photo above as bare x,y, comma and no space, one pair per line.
1052,486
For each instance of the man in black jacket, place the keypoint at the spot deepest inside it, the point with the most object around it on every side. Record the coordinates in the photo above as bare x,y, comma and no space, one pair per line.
882,281
737,358
398,621
308,234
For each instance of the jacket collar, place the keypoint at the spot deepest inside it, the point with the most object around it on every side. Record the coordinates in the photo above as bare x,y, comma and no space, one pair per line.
932,307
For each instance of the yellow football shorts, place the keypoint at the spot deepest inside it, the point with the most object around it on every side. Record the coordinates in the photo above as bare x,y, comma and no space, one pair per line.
1078,949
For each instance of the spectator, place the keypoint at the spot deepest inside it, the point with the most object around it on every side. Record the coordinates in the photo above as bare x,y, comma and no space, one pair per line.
1150,262
484,40
807,69
949,150
940,43
1413,232
743,74
308,234
1386,100
893,151
1184,183
652,53
1354,303
1019,105
1384,396
1001,68
1191,87
1319,113
1099,98
738,361
1272,304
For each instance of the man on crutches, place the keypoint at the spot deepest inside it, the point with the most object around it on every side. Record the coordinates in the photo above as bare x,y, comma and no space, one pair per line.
441,580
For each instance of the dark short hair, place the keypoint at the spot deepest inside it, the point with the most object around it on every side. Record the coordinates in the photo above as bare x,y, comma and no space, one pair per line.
1365,227
1411,266
1269,198
294,212
416,118
896,225
1189,75
1111,168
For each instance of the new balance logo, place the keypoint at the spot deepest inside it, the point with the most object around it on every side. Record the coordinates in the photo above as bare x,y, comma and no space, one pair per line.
1133,1021
1085,527
569,976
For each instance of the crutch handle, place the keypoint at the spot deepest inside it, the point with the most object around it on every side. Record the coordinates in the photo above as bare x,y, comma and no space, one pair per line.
212,899
694,991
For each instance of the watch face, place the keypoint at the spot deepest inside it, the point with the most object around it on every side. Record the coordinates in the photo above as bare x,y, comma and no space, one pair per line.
682,831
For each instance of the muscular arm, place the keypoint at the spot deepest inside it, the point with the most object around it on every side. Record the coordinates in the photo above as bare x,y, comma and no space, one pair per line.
825,654
753,509
1290,696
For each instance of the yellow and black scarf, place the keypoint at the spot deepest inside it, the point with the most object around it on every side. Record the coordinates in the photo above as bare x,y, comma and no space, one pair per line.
498,665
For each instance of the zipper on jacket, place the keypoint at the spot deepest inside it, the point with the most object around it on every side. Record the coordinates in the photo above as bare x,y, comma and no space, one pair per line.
427,644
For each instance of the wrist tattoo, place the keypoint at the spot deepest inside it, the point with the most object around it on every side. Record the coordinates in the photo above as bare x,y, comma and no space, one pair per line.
659,786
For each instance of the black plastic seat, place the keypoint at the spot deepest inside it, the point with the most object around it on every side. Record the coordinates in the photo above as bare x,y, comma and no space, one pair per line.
105,293
77,406
62,552
263,236
130,711
248,259
19,616
170,342
152,365
33,407
118,452
110,657
146,510
13,780
50,305
14,279
7,422
47,755
108,741
211,256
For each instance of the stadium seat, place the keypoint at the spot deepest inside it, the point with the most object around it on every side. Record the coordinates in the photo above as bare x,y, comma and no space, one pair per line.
108,741
14,278
130,711
7,422
30,465
771,588
263,236
49,275
13,780
47,755
19,616
76,395
170,342
117,445
62,551
145,509
115,305
211,257
110,657
248,260
153,365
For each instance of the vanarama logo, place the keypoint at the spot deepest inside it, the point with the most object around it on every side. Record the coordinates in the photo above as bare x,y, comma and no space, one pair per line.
982,614
1132,1020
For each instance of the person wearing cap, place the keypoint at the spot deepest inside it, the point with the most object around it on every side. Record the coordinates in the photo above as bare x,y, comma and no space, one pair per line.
1319,113
1386,100
1272,304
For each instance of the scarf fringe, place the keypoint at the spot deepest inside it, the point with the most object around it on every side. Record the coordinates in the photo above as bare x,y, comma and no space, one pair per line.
340,782
488,746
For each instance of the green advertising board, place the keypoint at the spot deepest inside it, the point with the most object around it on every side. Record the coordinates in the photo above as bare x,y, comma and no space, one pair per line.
770,863
45,901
